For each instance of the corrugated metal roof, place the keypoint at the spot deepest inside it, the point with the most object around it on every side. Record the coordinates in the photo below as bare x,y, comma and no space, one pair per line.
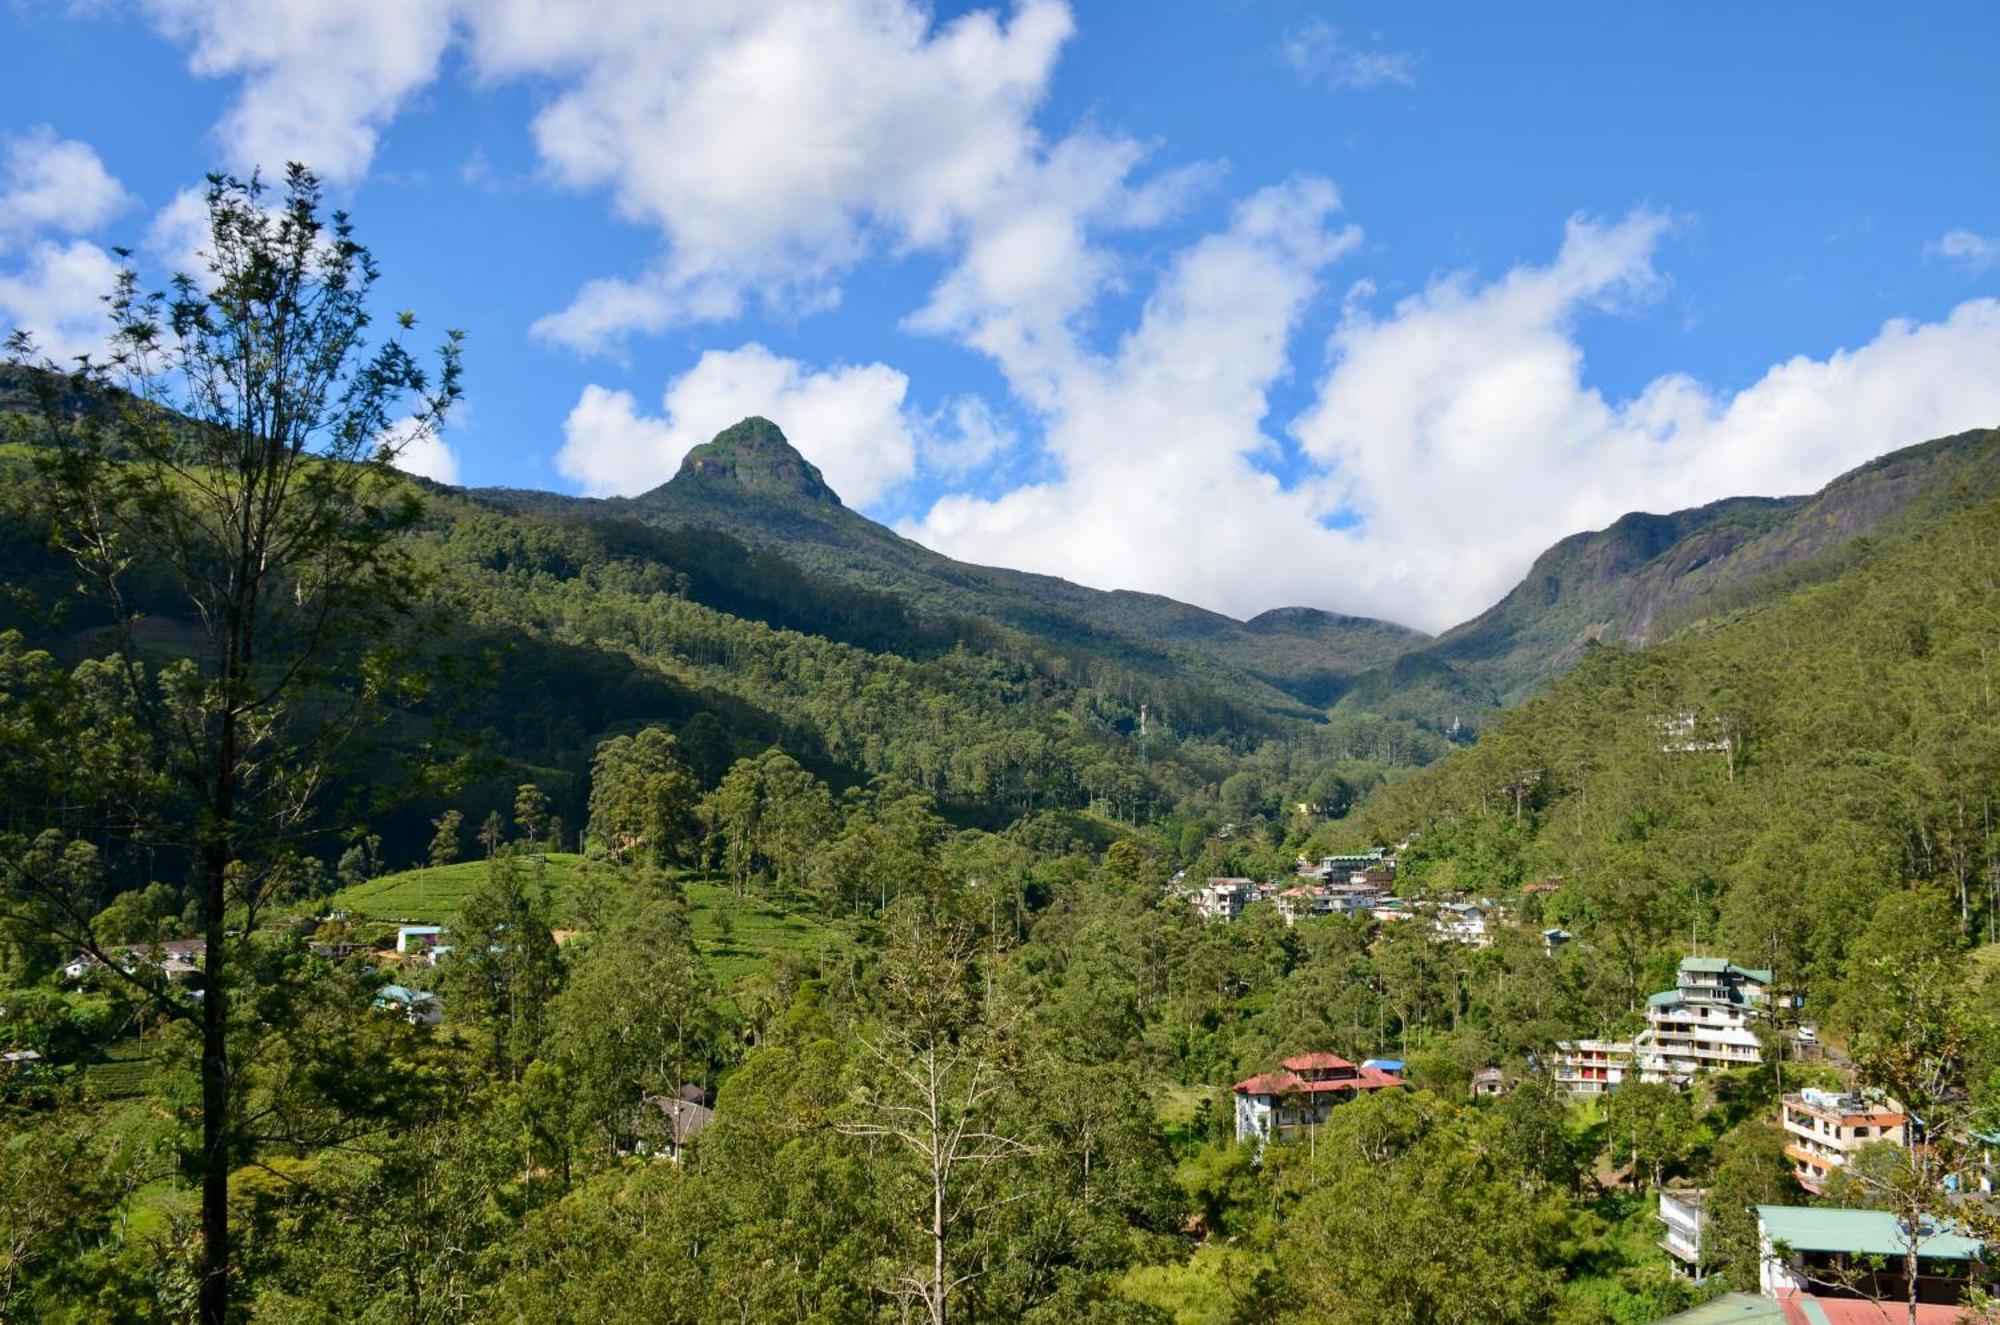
1731,1309
1865,1232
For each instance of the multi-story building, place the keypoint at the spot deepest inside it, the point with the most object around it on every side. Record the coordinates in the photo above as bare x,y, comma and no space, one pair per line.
1685,1219
1591,1067
1824,1128
1303,900
1703,1024
1224,899
1463,923
1302,1093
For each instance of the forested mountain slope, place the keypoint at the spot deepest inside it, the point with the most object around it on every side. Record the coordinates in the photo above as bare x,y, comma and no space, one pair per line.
1762,780
751,483
1647,576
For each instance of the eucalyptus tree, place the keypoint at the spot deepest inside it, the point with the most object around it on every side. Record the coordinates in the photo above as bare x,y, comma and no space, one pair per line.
222,482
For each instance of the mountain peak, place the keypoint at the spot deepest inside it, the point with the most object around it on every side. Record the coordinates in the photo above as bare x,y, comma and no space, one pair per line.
754,454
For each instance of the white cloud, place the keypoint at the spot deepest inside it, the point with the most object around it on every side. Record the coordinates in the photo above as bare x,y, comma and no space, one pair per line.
422,451
1974,251
1317,53
57,296
1155,443
51,185
963,437
319,78
1459,428
848,420
774,145
1454,438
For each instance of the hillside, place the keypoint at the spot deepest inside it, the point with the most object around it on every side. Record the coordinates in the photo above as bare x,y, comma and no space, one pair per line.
1765,779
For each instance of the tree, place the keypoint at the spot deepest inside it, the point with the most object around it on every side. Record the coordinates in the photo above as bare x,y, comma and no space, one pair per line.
231,464
933,1078
1912,1034
1402,1217
503,965
634,1019
531,812
767,818
1652,1124
641,798
444,842
493,833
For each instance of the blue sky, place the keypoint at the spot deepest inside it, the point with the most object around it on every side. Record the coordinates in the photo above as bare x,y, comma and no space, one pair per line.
1252,304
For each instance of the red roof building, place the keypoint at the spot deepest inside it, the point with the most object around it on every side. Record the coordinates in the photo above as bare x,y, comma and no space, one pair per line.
1301,1094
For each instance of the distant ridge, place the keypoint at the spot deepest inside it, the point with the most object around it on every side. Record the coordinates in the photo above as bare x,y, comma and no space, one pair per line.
1643,578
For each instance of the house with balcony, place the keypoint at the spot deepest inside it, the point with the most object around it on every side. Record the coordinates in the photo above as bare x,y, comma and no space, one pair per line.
1704,1022
1683,1216
1584,1068
1823,1129
1302,1093
1463,923
1303,901
1224,899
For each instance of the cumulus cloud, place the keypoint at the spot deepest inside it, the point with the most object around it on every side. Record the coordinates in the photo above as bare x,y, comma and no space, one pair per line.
849,420
57,294
51,185
1156,443
775,145
1450,441
1319,56
1968,248
1461,434
318,78
54,287
421,451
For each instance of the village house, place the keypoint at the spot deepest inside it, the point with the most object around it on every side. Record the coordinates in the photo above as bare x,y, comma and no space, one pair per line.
1583,1068
1554,939
1463,923
1224,899
1821,1253
1684,1216
415,1006
1824,1128
1390,909
664,1125
1301,1094
1703,1023
418,938
1302,901
1488,1082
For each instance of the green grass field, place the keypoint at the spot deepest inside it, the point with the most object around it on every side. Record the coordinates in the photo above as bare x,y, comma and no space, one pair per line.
740,937
433,896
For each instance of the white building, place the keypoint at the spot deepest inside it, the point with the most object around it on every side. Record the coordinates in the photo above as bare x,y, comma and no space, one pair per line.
1584,1068
1703,1024
416,938
1463,923
1685,1219
1302,1093
1224,899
